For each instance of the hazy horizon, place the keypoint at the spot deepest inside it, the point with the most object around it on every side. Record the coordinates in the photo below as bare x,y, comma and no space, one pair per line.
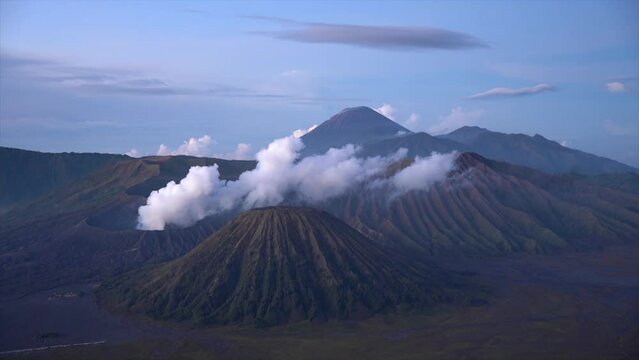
116,76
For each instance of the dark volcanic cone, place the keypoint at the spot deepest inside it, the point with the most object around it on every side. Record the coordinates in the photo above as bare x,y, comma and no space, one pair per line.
274,265
356,125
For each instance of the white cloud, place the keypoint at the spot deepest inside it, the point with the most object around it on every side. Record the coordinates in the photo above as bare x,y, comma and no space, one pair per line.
613,128
242,152
412,121
277,177
386,110
201,147
134,153
616,87
510,92
456,119
193,147
301,132
163,150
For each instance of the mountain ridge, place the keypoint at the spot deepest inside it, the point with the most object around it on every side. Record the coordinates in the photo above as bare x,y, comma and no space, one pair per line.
86,230
27,174
534,151
520,149
488,207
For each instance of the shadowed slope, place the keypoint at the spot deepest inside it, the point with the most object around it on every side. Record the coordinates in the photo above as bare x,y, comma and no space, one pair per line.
26,174
274,265
534,151
86,230
490,207
622,181
417,144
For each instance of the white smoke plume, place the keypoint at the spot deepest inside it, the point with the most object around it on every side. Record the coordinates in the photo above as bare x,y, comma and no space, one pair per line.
322,177
278,176
181,203
423,173
271,178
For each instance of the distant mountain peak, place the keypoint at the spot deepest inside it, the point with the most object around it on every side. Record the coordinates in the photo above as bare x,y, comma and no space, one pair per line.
470,157
353,125
471,160
356,109
362,115
465,134
473,128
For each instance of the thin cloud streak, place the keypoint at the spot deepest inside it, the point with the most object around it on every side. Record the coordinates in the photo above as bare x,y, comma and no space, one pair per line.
110,81
510,92
619,87
377,37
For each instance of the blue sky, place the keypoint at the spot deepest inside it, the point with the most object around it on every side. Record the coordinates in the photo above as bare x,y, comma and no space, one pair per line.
112,76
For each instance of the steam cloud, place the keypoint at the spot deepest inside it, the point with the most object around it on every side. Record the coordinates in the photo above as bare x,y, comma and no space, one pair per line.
278,176
181,203
423,173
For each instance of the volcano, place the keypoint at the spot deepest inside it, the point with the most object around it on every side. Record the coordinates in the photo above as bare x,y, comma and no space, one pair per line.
492,207
280,264
355,125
